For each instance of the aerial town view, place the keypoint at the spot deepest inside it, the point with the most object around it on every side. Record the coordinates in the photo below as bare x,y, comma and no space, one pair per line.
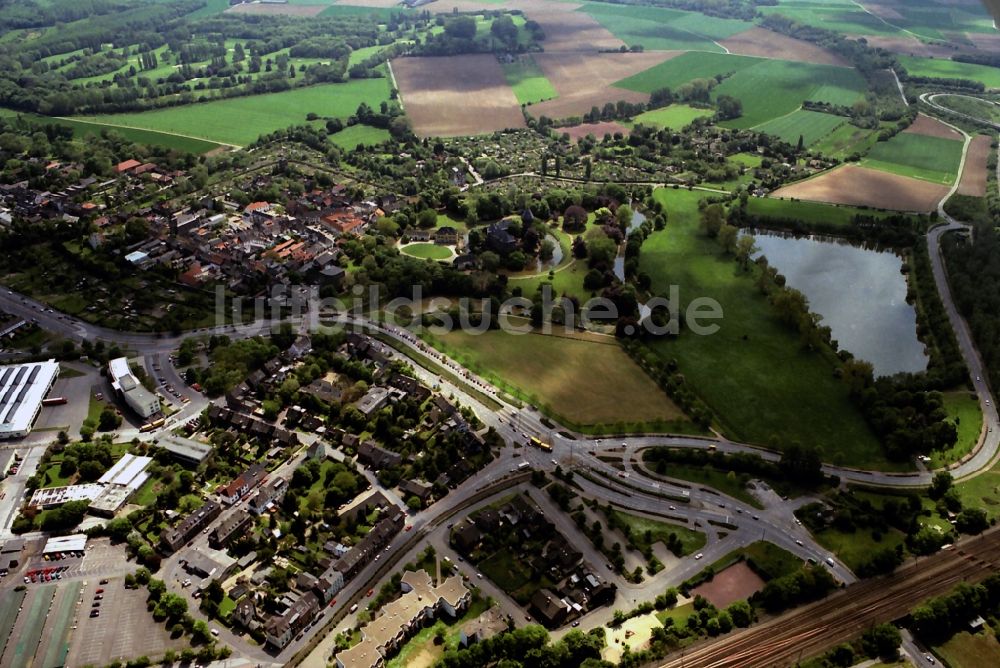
501,333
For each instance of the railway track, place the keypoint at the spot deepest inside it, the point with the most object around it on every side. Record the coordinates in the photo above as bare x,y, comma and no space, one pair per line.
844,615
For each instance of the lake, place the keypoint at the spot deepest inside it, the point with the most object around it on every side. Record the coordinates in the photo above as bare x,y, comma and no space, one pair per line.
859,292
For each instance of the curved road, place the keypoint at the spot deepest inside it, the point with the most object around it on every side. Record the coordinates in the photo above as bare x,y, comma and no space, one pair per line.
530,423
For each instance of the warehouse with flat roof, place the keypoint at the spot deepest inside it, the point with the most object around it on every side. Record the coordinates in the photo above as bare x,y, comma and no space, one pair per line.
22,389
139,399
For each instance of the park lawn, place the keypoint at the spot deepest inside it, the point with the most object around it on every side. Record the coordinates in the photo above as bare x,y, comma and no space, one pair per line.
752,373
528,81
964,411
360,135
811,126
858,547
932,159
567,280
691,540
241,120
809,212
968,650
577,382
427,251
678,615
950,69
675,117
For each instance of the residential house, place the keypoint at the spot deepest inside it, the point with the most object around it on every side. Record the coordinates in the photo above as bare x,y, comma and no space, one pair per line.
188,528
376,458
279,631
243,484
230,529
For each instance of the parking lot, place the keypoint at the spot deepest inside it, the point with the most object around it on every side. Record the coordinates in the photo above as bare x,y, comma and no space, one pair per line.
124,628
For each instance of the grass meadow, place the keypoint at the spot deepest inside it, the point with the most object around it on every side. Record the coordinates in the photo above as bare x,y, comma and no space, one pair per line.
752,372
241,120
809,212
577,381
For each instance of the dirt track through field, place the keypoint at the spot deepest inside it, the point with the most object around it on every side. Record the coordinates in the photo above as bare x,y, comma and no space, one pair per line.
584,81
974,176
277,10
456,95
767,44
861,186
932,127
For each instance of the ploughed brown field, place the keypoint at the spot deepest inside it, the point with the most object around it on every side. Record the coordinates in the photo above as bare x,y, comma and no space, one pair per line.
861,186
910,46
277,10
731,584
767,44
974,176
578,132
455,96
584,80
572,31
932,127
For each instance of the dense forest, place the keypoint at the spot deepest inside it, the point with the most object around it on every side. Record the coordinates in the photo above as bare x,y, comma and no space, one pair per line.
974,272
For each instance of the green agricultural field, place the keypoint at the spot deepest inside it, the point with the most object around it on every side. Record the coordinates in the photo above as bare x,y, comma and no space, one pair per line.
964,411
950,69
932,159
426,251
528,81
661,29
675,117
773,88
809,212
579,382
837,15
241,120
752,372
768,89
682,69
811,126
360,135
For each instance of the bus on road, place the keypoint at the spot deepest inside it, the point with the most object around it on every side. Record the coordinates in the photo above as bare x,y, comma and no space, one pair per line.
537,442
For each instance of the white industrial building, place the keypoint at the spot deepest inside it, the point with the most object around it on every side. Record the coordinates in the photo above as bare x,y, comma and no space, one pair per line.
139,399
22,389
120,482
74,543
106,495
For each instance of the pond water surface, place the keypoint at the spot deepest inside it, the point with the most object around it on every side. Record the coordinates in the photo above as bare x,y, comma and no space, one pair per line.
861,294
